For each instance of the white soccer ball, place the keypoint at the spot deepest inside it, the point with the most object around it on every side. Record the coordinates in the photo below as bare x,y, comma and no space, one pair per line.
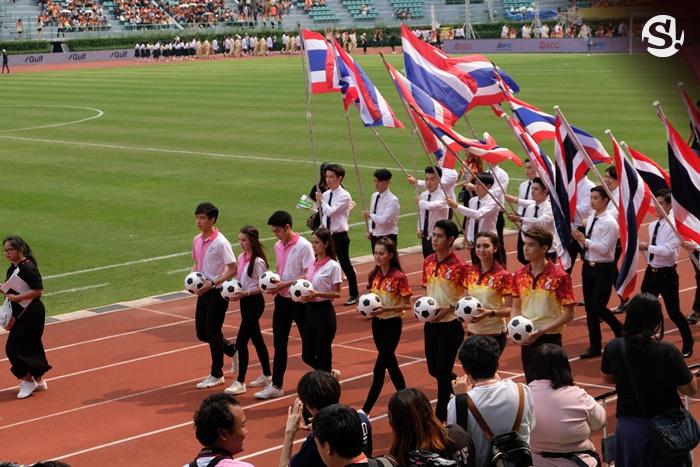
268,279
230,288
194,281
368,303
466,308
300,288
425,309
519,329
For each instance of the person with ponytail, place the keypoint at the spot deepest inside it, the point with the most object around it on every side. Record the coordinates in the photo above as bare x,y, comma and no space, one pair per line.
252,263
648,375
23,288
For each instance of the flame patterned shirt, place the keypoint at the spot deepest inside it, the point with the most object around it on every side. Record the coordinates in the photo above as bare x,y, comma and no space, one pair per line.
445,281
490,288
391,289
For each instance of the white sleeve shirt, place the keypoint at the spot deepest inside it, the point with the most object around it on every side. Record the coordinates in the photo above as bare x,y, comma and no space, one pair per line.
384,214
501,179
448,181
435,207
524,194
481,211
611,205
583,201
541,214
665,247
602,238
337,209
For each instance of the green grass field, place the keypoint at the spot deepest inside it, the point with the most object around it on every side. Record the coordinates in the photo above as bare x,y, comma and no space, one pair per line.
107,203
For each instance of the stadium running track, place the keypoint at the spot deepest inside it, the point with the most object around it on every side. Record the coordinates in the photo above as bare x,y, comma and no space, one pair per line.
122,388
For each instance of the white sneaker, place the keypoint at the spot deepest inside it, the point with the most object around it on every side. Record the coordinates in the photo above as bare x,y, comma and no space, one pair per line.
234,363
210,382
260,382
41,386
26,388
336,373
270,392
236,388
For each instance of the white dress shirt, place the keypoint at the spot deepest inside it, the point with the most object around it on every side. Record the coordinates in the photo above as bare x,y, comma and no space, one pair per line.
602,233
611,205
435,206
482,211
337,208
448,181
539,214
665,247
525,193
501,176
583,201
384,213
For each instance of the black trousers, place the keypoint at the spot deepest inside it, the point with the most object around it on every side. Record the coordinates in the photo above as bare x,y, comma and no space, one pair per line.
597,285
209,319
696,301
342,249
427,246
252,308
521,254
374,239
24,348
442,342
319,332
664,282
500,225
386,334
286,312
527,351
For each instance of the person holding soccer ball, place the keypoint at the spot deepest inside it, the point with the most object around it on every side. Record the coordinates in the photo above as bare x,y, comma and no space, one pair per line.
388,281
213,257
251,264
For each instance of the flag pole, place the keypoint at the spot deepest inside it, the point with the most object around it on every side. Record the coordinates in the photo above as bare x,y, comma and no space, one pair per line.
580,147
681,88
471,128
308,100
389,151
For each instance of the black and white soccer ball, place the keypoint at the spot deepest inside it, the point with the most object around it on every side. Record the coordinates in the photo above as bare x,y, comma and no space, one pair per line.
300,288
194,281
268,279
425,309
466,308
230,288
368,303
519,329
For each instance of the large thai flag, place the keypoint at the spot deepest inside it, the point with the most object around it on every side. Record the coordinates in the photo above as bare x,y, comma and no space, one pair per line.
489,90
693,113
319,61
429,68
633,202
357,88
414,96
684,168
571,168
652,173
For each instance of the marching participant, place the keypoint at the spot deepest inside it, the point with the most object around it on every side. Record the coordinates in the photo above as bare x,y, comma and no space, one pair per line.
538,212
694,249
431,208
525,193
583,212
660,276
598,245
500,188
385,206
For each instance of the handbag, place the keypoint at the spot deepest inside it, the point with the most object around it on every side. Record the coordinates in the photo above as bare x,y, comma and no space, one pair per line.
675,432
5,313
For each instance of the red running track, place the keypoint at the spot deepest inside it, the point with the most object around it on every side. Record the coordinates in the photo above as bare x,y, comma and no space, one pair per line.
122,388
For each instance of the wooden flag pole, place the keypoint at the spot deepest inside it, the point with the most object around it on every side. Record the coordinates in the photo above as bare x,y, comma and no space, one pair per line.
389,151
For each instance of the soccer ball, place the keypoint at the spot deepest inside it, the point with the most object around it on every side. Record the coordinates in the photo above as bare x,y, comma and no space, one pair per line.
519,329
466,308
425,309
300,288
368,303
194,281
268,279
230,288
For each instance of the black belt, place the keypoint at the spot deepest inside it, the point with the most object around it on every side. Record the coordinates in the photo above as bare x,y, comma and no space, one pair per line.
665,268
598,264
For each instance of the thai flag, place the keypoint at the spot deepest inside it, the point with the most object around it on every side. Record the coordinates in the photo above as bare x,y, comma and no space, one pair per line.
429,68
571,167
652,173
693,113
414,96
487,79
357,88
684,168
634,203
319,62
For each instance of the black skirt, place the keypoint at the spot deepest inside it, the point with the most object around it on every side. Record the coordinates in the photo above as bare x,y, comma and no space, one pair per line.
24,347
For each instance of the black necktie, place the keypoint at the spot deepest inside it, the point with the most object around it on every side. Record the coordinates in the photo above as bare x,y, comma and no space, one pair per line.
588,235
537,209
374,211
653,238
328,218
426,220
527,193
476,221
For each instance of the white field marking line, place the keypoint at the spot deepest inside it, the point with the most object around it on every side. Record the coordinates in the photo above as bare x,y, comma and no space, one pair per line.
76,289
181,270
164,313
360,349
173,255
54,125
189,422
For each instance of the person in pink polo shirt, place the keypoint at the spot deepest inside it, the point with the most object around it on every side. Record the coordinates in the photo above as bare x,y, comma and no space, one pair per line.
213,257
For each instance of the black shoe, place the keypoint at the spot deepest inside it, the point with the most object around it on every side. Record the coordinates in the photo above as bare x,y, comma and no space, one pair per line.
693,318
590,353
351,301
687,353
620,309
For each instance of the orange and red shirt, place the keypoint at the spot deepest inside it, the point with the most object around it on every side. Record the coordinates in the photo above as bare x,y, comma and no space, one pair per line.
491,289
391,288
445,281
543,298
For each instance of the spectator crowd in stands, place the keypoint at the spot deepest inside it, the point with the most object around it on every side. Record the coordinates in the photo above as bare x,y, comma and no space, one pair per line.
71,15
561,30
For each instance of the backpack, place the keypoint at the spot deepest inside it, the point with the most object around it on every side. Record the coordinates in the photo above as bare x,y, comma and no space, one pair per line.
507,449
416,458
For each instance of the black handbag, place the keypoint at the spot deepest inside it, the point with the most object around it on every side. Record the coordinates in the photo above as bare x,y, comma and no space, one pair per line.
675,432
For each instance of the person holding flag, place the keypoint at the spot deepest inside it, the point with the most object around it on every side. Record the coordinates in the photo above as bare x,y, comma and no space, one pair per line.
525,193
384,217
537,211
432,207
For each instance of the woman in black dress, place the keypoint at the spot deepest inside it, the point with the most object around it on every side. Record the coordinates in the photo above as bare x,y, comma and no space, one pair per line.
24,347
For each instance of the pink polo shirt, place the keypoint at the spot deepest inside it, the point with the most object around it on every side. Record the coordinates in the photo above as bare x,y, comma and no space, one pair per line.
292,259
211,255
